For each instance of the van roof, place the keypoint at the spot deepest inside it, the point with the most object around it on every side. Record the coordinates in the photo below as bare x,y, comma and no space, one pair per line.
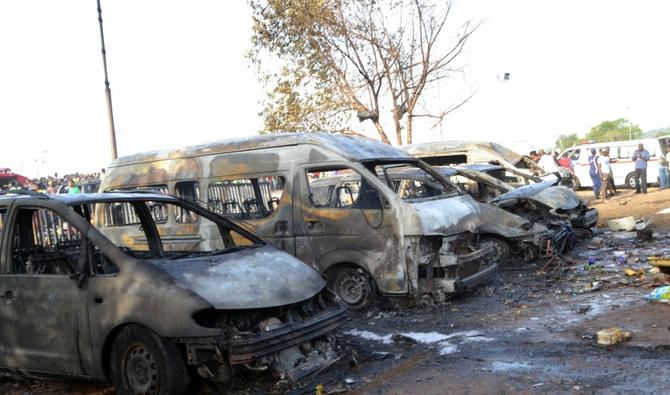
618,143
446,147
349,147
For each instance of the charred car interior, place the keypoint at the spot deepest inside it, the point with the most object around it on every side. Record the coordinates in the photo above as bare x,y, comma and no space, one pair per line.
83,297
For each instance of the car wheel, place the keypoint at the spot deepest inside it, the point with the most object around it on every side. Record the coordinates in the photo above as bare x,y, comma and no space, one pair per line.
576,185
142,363
630,181
500,248
354,287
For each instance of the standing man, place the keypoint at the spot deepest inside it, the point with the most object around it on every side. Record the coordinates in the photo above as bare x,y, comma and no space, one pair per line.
547,162
663,173
604,169
593,172
640,157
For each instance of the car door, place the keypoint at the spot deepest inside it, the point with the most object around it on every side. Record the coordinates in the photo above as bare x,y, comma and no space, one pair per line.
343,220
41,304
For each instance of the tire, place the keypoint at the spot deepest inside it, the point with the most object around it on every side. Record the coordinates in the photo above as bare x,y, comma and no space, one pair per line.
502,252
630,181
354,287
142,363
576,185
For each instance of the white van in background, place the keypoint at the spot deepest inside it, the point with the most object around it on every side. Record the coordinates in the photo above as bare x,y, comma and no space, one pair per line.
623,167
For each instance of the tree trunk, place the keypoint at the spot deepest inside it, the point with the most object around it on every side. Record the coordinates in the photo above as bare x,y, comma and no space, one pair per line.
382,134
398,128
408,127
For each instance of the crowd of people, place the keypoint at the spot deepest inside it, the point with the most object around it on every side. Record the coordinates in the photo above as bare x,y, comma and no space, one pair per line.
52,184
600,169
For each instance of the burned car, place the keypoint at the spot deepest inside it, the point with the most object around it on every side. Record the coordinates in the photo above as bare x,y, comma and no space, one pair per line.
380,243
81,298
510,232
561,201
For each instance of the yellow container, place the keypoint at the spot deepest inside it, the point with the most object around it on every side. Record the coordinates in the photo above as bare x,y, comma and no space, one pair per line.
659,261
610,336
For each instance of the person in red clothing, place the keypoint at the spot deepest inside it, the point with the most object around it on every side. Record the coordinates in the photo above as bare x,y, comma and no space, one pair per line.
566,162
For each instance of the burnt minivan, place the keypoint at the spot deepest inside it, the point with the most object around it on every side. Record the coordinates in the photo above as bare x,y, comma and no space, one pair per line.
370,242
80,297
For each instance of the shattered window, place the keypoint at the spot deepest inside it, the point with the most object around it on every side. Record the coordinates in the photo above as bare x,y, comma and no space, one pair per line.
121,214
411,182
341,188
44,243
246,198
189,190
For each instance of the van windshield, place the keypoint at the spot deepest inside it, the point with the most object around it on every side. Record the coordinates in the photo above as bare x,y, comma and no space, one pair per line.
411,180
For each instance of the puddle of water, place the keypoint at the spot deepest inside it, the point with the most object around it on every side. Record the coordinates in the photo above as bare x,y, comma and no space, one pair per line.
501,366
426,338
446,343
367,335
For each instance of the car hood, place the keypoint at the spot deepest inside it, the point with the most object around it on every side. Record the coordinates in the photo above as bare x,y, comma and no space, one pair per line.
460,214
558,197
525,191
546,192
445,217
248,279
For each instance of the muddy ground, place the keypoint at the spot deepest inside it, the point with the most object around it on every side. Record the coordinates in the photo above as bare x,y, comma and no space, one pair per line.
530,330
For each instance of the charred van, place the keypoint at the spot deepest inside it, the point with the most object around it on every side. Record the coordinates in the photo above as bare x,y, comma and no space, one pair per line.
371,241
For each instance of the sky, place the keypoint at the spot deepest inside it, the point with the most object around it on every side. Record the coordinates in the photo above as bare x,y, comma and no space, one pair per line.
179,75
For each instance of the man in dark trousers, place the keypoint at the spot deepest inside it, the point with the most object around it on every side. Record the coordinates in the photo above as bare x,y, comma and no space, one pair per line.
640,157
593,172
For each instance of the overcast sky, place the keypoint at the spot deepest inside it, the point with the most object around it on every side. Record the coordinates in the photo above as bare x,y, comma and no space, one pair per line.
179,76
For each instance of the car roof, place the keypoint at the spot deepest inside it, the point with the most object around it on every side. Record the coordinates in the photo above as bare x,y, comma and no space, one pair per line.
481,167
349,147
85,198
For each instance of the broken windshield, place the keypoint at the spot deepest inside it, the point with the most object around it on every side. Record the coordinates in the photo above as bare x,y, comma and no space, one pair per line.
411,180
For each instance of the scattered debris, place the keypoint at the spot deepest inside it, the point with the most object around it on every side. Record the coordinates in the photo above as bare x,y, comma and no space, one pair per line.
611,336
661,294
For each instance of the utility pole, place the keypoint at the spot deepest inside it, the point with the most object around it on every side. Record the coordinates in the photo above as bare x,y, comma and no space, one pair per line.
108,92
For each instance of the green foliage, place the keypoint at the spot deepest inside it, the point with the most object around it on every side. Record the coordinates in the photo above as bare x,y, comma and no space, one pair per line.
300,97
616,130
567,141
657,132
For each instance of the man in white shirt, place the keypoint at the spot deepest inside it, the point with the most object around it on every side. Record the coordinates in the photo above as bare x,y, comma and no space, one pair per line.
604,170
547,162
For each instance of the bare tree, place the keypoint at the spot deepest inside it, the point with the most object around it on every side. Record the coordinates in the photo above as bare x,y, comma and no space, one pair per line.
341,57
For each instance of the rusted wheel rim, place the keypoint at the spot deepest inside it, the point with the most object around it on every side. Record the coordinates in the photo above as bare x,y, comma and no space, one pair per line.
499,247
354,288
140,370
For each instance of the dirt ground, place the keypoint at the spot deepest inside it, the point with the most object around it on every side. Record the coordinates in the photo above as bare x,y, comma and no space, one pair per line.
627,203
532,329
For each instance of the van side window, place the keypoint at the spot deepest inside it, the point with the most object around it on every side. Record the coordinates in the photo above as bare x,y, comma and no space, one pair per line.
446,160
341,188
246,198
44,243
121,214
191,191
626,151
574,154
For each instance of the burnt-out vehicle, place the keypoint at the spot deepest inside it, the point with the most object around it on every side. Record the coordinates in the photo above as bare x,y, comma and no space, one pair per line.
562,202
80,297
509,234
381,243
